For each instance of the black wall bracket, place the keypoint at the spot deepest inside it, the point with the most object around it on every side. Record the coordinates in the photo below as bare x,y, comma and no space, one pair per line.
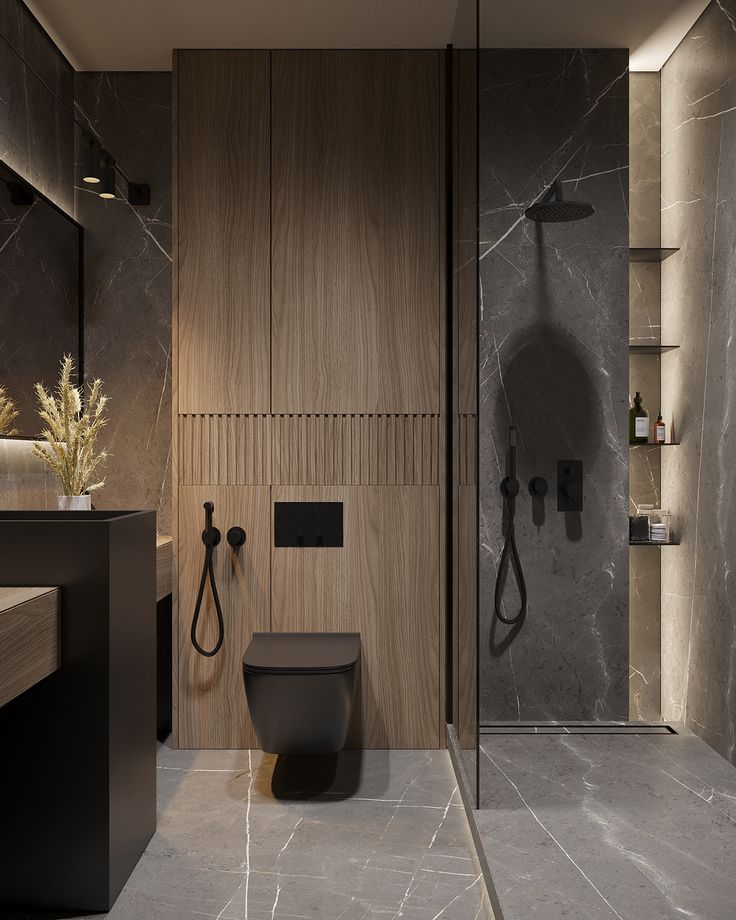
308,524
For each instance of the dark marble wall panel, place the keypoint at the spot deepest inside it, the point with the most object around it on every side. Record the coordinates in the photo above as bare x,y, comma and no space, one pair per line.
36,132
644,156
553,361
645,376
699,380
645,654
128,251
37,141
128,286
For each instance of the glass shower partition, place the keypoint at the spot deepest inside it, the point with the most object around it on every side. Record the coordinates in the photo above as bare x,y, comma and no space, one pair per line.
463,338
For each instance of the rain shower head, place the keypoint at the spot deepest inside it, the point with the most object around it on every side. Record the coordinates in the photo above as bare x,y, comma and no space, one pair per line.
553,209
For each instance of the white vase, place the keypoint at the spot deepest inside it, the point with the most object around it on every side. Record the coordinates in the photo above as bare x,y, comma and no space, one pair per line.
74,503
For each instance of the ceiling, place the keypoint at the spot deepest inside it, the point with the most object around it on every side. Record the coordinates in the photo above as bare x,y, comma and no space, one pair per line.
140,34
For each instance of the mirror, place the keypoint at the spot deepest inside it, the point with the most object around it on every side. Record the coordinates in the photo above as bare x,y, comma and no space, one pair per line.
40,294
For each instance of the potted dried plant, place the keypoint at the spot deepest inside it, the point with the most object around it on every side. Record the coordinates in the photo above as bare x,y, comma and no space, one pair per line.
8,414
70,436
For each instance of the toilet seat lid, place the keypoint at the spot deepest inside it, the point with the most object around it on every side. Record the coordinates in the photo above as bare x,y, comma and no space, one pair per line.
301,653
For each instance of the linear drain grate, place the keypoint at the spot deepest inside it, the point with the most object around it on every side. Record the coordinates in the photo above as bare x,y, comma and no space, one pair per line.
576,728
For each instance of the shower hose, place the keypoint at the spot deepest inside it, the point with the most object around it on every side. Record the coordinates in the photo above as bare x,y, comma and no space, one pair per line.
210,538
510,553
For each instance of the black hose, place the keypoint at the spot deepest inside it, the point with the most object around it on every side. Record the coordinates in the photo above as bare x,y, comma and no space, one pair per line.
210,538
510,553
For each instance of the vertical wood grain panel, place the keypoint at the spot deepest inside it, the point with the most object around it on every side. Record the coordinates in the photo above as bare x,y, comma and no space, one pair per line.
357,294
383,583
356,231
355,450
212,706
223,231
225,449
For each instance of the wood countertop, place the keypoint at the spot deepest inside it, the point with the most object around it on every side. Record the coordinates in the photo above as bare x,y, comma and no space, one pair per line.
29,638
164,565
29,627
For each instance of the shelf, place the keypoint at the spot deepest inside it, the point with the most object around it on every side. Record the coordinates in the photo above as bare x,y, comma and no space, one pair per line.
654,542
651,349
650,255
654,444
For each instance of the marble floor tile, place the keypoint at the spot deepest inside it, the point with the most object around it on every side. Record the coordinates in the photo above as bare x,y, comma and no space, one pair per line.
609,827
379,835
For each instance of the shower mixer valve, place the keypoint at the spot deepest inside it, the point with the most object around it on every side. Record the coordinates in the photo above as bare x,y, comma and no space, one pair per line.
569,485
538,486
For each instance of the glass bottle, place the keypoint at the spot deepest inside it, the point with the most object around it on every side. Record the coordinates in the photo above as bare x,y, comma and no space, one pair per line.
638,422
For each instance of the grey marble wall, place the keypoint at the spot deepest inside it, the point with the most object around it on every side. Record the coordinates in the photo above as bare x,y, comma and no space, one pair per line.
128,286
36,133
37,141
128,251
644,376
699,380
553,361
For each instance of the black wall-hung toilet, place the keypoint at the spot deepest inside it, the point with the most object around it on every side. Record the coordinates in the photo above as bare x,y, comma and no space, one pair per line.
300,689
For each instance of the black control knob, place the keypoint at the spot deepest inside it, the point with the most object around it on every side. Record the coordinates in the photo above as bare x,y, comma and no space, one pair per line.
572,490
538,486
510,487
211,536
236,537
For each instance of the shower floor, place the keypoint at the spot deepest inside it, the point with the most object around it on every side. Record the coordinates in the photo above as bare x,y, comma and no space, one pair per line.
244,836
600,827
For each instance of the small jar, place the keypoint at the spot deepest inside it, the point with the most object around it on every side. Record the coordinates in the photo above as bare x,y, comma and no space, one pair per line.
660,526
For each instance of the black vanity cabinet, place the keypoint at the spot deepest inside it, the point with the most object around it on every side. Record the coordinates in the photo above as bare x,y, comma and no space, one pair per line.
78,750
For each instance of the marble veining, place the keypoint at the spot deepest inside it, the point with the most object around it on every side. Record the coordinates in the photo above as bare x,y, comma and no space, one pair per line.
698,191
645,328
241,835
553,361
36,133
128,285
596,827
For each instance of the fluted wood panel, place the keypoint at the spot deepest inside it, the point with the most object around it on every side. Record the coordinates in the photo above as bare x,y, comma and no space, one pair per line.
356,231
225,449
223,228
383,583
309,449
356,449
212,707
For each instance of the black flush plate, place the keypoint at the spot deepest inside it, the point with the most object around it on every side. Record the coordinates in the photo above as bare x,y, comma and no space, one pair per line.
569,485
307,524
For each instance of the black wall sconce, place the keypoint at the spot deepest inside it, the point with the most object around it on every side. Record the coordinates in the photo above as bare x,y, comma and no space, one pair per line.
98,166
99,170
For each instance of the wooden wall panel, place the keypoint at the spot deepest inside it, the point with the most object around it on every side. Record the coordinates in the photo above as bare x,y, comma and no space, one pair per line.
224,449
212,707
352,409
309,449
223,229
356,231
466,456
355,449
383,583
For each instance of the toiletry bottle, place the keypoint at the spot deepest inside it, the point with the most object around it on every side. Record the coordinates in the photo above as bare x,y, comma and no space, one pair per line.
660,430
638,422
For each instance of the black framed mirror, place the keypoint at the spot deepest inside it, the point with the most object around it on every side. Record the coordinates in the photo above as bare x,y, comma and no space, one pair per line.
41,295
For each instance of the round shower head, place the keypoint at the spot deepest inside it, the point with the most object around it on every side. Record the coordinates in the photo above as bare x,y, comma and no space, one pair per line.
553,209
554,212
